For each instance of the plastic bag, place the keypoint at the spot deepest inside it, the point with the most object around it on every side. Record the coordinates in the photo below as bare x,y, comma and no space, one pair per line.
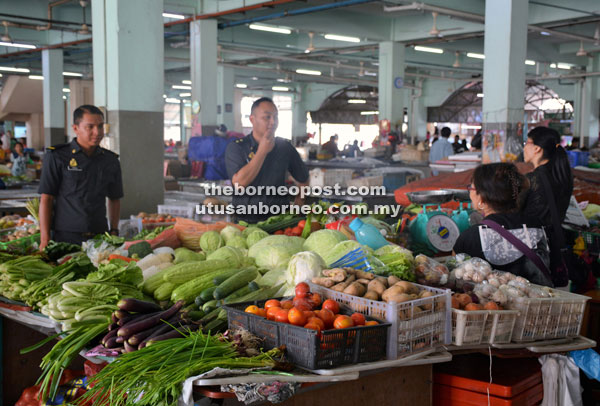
357,259
475,270
513,148
589,361
430,272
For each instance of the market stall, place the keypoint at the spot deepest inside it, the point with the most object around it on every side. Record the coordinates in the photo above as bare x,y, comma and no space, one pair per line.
311,308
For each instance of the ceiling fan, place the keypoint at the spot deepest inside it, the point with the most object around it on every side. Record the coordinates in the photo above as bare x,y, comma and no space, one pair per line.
435,31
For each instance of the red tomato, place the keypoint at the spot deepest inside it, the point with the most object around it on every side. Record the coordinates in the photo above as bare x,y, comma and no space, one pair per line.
296,317
315,299
272,312
313,326
262,312
302,303
342,321
287,304
272,303
358,319
278,232
302,223
331,305
371,323
252,309
302,290
317,321
296,231
327,316
282,316
309,314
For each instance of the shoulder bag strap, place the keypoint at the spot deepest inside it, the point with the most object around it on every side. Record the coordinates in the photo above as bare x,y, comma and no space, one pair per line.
557,229
507,235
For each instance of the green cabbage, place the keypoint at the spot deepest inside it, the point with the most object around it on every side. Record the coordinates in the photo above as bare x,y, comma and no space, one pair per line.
237,241
255,236
275,251
323,241
304,266
230,254
211,241
230,232
339,250
249,230
183,254
273,278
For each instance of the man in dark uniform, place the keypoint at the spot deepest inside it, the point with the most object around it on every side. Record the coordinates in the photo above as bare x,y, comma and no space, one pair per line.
77,177
260,159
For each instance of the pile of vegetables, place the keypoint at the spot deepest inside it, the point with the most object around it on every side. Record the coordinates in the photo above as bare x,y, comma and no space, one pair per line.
17,275
56,250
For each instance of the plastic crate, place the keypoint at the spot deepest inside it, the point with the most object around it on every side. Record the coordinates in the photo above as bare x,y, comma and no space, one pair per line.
482,326
578,158
548,318
367,181
330,177
186,211
22,243
411,330
305,348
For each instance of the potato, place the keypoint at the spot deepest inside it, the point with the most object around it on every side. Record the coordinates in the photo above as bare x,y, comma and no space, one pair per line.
356,289
408,287
463,299
397,297
392,280
371,295
473,307
337,274
394,290
343,285
326,282
424,294
363,281
383,280
491,306
377,286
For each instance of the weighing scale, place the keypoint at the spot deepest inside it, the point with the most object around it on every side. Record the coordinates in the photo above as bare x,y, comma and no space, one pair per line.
436,230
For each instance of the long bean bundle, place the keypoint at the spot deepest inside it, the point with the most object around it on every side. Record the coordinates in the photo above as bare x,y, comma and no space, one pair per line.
155,374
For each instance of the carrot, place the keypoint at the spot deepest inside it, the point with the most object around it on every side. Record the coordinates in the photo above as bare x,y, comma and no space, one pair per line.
121,257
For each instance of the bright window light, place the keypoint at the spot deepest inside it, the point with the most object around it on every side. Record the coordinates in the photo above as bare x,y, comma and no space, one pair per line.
356,101
186,82
64,97
73,74
308,72
471,127
529,62
270,28
185,94
479,94
369,73
174,17
66,90
11,69
368,113
563,66
172,100
182,87
164,96
335,37
428,49
280,88
476,56
241,85
545,33
36,77
553,65
15,45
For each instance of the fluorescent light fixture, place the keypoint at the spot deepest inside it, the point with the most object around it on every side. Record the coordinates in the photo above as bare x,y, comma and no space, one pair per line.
36,77
164,96
368,113
186,82
241,85
66,90
553,65
369,73
74,74
471,127
476,56
11,69
335,37
356,101
0,75
280,88
429,49
15,45
182,87
561,65
529,62
64,97
281,80
270,28
308,72
479,94
173,16
172,100
545,33
185,94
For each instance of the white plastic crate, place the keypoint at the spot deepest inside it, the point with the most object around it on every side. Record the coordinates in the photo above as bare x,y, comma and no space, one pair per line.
366,181
548,318
186,211
482,326
330,177
412,330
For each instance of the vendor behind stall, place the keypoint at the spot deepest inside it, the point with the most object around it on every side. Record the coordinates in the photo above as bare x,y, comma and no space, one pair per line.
77,177
441,149
261,159
331,147
495,190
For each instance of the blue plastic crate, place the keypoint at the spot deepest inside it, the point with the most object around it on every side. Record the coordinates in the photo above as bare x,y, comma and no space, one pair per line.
578,158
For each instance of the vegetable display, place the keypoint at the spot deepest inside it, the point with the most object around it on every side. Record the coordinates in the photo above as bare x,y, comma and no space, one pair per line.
56,250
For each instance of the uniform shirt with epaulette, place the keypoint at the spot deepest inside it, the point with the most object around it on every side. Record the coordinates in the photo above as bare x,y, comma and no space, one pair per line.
80,185
282,159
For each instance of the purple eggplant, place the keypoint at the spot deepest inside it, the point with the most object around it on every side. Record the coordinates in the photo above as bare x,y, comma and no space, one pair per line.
133,318
138,306
111,343
120,340
111,334
147,322
129,348
173,333
113,326
113,318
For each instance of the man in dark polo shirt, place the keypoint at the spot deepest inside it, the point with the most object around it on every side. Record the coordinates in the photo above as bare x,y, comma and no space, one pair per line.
77,177
260,159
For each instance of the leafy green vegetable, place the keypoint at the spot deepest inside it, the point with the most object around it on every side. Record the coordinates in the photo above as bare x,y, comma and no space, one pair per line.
211,241
323,241
119,272
255,236
340,249
141,249
275,251
230,232
183,254
399,261
304,266
232,255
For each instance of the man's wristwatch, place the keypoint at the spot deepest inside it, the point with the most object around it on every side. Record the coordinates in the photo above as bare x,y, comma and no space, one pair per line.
114,231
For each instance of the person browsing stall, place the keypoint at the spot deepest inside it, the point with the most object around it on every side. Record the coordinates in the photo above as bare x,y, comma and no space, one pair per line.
261,159
77,177
331,146
18,161
495,191
441,149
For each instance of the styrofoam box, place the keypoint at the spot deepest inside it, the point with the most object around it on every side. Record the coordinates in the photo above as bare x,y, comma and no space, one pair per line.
413,330
330,177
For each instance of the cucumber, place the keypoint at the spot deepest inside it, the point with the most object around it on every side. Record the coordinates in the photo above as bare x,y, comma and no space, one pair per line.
210,305
215,326
164,291
207,294
196,315
237,294
253,286
210,316
199,301
223,276
235,282
261,294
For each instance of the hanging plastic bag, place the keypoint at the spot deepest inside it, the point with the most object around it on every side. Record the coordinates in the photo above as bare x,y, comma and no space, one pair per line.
513,148
589,362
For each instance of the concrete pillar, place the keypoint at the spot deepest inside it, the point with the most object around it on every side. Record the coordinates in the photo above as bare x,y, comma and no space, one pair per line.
299,112
586,109
82,92
128,56
54,105
505,46
35,131
225,96
203,66
391,81
237,110
417,119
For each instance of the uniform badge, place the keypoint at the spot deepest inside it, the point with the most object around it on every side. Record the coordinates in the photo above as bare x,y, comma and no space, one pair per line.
74,150
251,155
73,163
